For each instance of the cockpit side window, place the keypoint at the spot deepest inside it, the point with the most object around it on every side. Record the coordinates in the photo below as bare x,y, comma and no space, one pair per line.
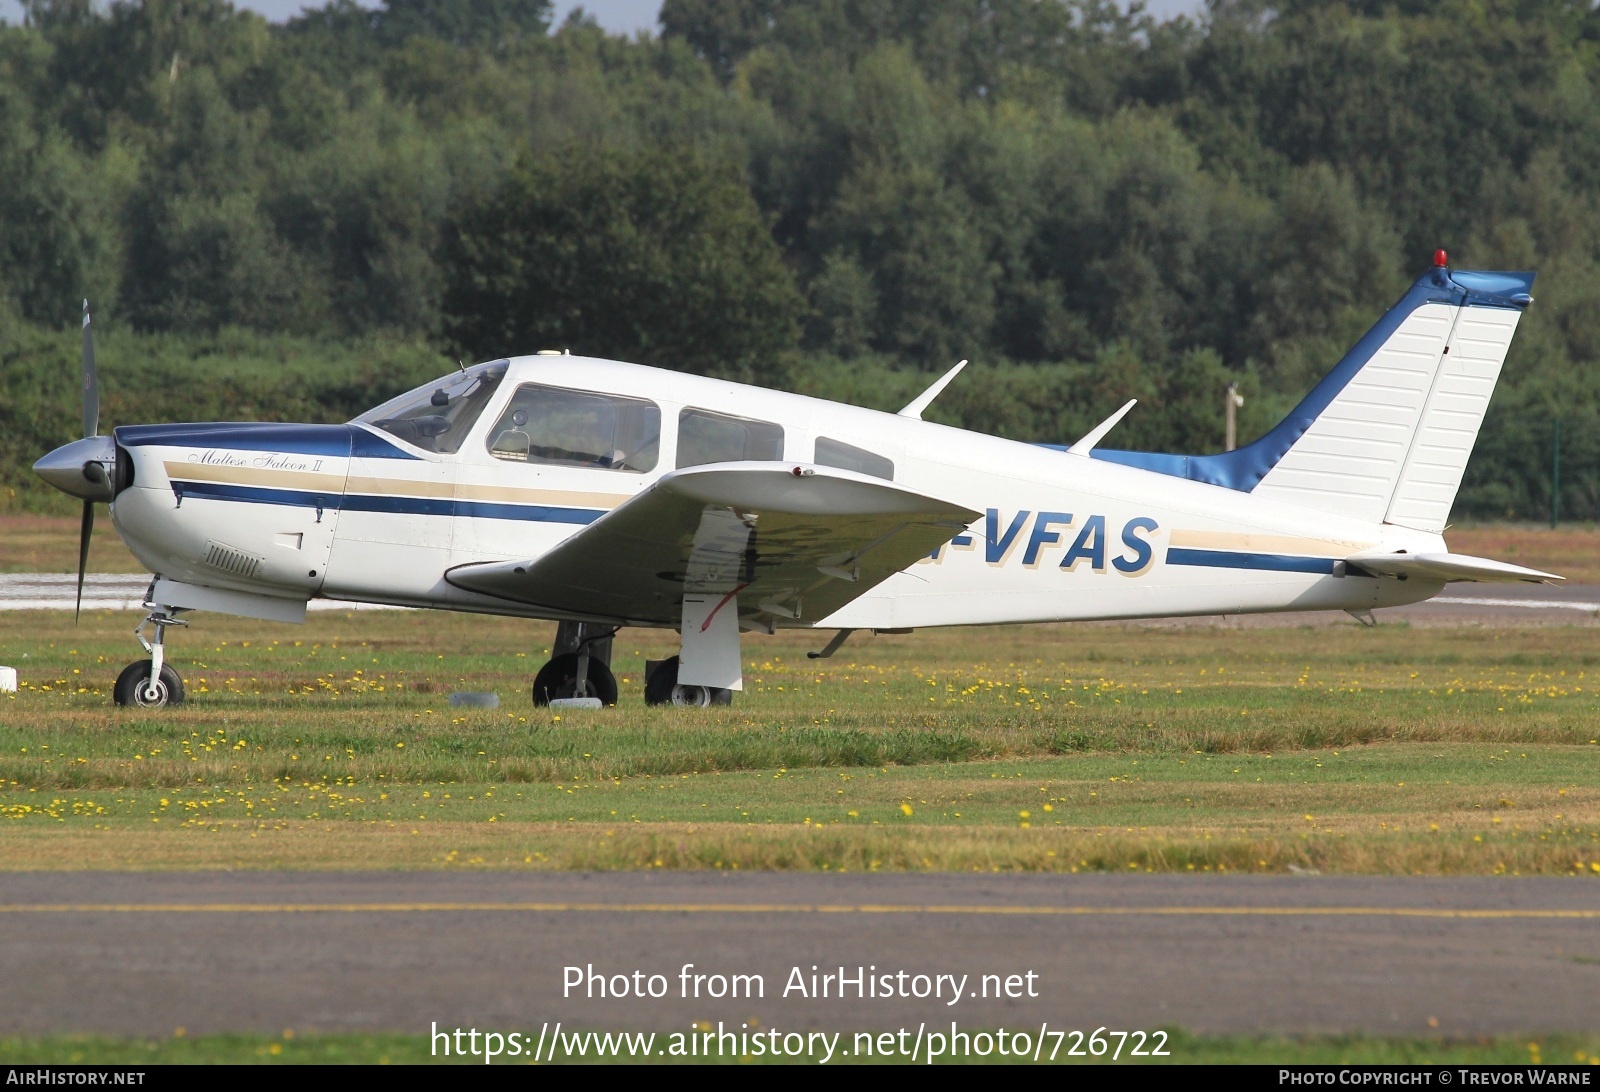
560,427
847,457
706,437
438,416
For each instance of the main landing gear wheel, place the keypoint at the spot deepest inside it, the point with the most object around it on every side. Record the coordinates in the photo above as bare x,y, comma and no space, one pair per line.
559,679
133,687
663,688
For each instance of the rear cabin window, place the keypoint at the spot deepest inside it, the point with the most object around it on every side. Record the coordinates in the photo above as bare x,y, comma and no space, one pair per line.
845,457
706,437
559,427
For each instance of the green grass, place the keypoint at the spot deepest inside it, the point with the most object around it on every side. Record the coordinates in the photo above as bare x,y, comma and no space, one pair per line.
1110,748
1095,747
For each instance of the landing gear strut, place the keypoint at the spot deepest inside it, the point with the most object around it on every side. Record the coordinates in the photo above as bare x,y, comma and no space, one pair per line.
580,667
151,683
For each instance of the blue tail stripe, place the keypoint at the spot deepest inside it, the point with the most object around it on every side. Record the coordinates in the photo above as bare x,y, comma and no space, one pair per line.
1224,559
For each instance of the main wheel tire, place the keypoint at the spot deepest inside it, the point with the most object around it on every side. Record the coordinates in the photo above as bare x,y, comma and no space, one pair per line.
130,687
663,688
559,679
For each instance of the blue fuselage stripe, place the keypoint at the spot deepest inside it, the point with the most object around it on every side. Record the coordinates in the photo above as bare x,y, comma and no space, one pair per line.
1225,559
294,498
439,506
410,506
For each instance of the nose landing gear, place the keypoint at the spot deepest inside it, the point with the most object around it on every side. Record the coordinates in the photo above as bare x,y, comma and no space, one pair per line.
152,683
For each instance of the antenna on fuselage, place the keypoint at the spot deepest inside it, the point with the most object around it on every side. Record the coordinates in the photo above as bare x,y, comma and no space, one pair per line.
1098,433
921,402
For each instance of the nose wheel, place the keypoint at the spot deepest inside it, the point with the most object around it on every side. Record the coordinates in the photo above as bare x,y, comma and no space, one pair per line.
134,686
152,683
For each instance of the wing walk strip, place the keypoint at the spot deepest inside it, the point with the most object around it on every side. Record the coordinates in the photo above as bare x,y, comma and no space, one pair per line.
791,908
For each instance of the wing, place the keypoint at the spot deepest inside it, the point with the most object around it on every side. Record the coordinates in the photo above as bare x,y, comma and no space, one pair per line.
1447,567
794,543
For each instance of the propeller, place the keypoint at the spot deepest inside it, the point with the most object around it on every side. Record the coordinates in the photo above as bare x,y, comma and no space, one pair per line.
84,531
91,385
91,428
86,468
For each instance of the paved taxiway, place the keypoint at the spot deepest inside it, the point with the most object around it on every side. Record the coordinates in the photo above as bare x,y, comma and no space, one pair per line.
131,953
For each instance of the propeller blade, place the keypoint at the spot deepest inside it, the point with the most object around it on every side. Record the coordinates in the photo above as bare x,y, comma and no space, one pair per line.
83,552
91,385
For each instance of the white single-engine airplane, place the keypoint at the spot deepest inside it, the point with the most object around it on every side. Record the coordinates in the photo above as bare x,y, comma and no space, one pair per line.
600,495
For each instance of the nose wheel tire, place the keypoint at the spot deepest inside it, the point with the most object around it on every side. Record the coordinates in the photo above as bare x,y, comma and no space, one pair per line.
133,687
559,679
663,688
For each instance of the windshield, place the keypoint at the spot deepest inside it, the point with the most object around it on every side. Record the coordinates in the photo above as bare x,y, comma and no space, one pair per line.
437,416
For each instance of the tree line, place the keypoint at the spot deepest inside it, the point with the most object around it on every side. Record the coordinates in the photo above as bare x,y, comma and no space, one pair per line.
836,196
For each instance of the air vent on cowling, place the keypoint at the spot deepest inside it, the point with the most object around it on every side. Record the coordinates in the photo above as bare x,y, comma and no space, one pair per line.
230,560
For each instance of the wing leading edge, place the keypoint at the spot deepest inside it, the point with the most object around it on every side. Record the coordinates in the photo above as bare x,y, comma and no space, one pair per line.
790,544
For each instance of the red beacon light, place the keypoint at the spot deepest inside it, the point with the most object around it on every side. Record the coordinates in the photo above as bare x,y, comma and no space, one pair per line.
1440,259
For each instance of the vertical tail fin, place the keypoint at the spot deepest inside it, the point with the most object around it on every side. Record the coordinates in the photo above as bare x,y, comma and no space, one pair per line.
1385,436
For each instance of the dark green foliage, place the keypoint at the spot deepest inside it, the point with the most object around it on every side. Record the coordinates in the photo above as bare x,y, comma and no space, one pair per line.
481,23
650,257
234,375
1090,204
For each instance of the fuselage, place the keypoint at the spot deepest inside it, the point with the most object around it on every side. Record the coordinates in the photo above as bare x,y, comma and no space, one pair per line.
381,512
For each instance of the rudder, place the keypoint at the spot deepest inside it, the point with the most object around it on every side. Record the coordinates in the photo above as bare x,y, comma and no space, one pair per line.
1452,417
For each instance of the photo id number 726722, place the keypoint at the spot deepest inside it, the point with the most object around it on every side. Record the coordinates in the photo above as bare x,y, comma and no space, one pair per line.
1100,1041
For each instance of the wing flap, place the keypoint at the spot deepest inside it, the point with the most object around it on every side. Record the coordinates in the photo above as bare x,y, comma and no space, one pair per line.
793,543
1448,567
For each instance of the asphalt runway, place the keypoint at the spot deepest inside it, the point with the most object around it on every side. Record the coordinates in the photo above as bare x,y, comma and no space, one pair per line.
146,953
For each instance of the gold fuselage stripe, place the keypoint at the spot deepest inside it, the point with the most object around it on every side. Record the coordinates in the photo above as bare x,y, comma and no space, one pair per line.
1256,543
388,487
246,475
